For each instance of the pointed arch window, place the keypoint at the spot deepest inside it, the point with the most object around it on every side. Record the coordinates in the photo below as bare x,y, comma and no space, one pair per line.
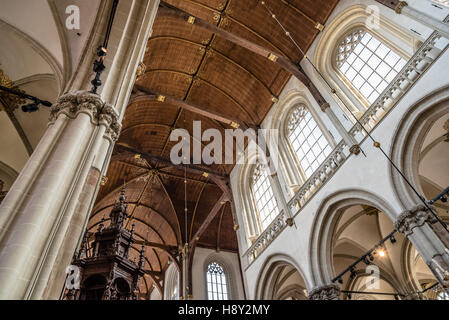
263,196
217,287
367,63
306,139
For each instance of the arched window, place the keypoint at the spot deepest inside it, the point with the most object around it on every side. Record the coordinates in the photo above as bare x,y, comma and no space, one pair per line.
263,196
307,140
217,287
368,64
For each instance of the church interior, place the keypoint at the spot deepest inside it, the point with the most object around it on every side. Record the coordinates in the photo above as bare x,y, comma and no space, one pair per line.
117,122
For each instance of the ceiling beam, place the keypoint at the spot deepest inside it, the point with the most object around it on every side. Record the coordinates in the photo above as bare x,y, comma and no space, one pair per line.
157,245
190,167
210,217
275,57
161,97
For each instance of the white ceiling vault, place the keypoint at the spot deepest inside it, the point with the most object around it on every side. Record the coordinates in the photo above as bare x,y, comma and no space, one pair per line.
39,54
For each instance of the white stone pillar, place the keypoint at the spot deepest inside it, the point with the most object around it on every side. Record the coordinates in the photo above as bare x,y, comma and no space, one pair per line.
280,197
40,219
423,230
46,211
349,140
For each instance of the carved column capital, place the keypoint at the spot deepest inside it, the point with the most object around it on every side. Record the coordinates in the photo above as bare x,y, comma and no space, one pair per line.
413,218
73,103
327,292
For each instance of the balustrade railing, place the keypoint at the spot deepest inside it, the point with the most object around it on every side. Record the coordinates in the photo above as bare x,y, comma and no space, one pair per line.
400,85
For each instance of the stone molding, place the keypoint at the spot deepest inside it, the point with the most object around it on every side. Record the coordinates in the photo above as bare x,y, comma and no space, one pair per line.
72,104
414,218
327,292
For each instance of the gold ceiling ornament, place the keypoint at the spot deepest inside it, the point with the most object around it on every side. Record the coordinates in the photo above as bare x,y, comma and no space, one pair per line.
236,227
210,52
401,5
221,6
274,99
104,180
216,16
225,21
4,80
9,101
191,20
196,81
319,26
272,57
235,125
141,68
161,98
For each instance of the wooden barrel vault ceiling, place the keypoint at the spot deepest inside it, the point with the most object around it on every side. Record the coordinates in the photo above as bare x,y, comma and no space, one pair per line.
193,73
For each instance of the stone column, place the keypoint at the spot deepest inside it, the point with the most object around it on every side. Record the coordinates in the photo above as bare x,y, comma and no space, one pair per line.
37,211
423,230
327,292
402,7
350,140
279,196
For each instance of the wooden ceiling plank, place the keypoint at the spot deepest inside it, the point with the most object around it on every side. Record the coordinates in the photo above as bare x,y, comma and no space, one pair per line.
275,57
190,167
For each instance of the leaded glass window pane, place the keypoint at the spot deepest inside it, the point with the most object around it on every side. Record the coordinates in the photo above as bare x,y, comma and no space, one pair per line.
216,282
367,63
306,138
264,199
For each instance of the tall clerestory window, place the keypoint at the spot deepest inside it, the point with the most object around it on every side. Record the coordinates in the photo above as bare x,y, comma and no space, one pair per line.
307,140
263,196
217,288
368,64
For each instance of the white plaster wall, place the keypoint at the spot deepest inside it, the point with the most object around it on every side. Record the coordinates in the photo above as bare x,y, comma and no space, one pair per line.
201,258
370,173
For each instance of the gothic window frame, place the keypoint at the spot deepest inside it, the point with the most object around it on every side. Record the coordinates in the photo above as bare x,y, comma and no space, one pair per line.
226,284
293,154
359,65
260,220
396,36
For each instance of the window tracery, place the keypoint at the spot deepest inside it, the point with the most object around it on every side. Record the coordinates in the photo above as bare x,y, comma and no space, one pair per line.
367,63
217,288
